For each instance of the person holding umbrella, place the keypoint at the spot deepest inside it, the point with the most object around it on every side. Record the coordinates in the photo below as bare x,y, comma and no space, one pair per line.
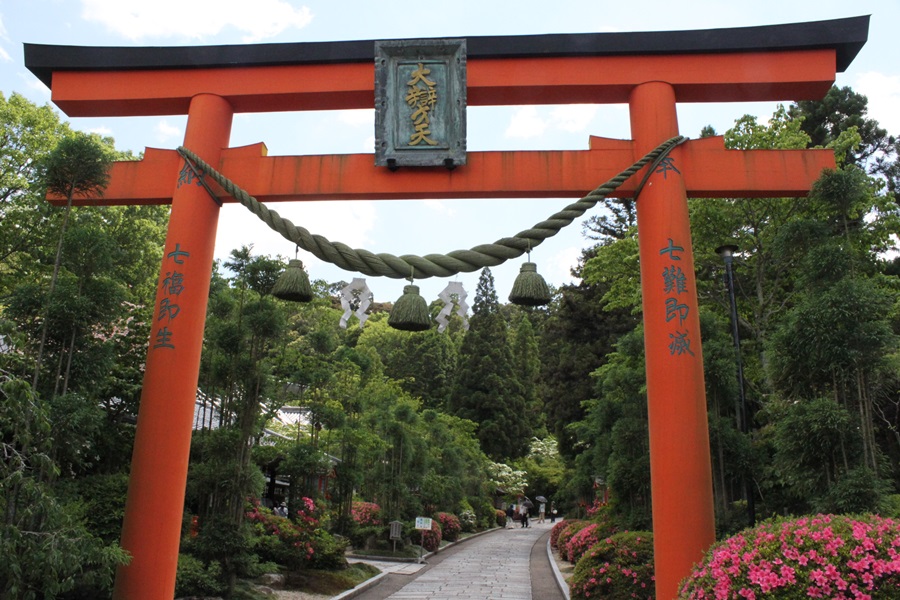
543,508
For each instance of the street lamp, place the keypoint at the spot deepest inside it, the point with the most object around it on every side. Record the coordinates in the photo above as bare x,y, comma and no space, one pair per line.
727,253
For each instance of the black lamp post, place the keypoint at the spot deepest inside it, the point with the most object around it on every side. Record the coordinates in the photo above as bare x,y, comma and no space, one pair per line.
727,254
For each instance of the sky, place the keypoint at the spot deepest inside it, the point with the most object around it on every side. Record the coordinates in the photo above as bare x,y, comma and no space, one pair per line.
419,226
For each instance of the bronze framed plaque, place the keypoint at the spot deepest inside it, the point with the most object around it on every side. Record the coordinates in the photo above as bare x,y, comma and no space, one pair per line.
420,103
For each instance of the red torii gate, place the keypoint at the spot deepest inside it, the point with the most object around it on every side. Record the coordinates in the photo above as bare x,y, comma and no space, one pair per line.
648,71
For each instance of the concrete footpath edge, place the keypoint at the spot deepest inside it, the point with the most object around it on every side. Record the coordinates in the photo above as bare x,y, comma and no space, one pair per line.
560,580
370,583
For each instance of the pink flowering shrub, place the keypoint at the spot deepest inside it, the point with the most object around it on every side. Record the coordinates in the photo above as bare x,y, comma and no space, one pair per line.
601,526
568,529
616,568
450,526
365,513
581,542
825,556
289,542
555,531
595,507
431,540
500,518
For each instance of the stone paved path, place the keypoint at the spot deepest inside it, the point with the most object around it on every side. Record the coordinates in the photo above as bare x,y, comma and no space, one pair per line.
496,566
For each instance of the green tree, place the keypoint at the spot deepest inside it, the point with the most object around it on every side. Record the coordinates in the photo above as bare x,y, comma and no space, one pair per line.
78,166
579,333
46,546
526,362
423,362
487,390
27,133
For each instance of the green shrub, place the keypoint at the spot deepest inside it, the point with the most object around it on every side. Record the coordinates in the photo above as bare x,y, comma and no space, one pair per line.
825,556
617,567
500,518
296,543
194,578
328,551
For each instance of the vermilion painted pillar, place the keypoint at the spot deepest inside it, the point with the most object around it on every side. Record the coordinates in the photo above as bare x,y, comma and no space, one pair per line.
681,480
153,512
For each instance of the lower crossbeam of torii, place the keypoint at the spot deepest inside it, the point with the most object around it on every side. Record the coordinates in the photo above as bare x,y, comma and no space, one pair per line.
650,72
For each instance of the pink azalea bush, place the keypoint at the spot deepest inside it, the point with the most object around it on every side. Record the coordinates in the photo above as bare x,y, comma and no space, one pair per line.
500,518
581,542
450,526
365,513
431,540
568,529
282,540
825,556
617,567
600,526
555,531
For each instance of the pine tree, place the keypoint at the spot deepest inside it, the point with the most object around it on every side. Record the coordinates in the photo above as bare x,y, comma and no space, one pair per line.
488,390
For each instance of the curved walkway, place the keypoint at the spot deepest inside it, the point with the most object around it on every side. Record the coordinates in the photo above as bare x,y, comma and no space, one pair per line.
507,564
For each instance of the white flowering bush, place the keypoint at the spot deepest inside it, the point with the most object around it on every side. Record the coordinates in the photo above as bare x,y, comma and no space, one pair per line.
824,556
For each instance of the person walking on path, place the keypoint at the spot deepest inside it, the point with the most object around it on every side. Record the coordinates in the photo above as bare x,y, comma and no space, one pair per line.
541,512
513,566
510,513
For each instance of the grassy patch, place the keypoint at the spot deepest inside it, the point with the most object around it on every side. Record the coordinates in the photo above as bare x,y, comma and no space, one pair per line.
330,583
405,552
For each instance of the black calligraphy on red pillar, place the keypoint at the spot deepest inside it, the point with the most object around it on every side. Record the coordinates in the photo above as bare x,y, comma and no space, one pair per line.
675,284
168,308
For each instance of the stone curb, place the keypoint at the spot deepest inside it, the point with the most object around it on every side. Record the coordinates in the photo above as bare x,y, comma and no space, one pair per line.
560,580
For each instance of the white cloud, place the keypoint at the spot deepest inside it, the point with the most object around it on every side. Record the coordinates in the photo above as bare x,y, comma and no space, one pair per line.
166,131
526,123
573,117
196,19
347,222
102,131
883,92
4,55
33,83
559,267
439,207
362,116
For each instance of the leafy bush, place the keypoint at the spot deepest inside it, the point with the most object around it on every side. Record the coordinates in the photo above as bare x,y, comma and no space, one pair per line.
568,529
450,526
617,567
555,531
365,513
431,540
328,551
194,578
602,525
824,556
500,518
581,542
294,543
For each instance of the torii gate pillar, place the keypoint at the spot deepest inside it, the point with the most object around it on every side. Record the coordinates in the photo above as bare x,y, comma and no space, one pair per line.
679,437
159,463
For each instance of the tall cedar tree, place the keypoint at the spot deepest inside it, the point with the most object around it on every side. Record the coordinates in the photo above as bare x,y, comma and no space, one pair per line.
488,390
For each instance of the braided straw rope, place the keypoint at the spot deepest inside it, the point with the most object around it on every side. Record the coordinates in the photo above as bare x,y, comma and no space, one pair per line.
430,265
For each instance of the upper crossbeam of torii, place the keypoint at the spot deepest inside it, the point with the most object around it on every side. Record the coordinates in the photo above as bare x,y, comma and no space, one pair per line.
650,72
785,62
